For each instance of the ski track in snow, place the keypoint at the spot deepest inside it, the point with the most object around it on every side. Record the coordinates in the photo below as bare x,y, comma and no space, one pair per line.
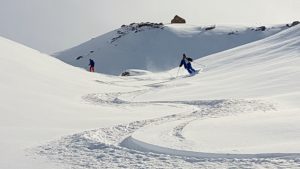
114,147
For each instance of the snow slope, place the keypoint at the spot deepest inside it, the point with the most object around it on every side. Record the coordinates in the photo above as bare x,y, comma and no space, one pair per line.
266,71
158,47
41,100
240,111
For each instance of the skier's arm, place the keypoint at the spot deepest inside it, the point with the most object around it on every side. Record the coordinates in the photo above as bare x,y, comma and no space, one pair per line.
181,63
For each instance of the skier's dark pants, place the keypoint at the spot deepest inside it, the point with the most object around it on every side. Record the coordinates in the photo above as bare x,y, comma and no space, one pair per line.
188,67
92,69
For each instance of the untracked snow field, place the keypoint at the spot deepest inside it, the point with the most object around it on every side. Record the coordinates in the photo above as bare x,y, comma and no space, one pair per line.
240,111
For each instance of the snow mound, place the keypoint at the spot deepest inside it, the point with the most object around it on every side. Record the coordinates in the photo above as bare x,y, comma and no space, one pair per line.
157,47
40,100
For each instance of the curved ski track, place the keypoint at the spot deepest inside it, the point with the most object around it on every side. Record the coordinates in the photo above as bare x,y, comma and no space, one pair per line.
114,147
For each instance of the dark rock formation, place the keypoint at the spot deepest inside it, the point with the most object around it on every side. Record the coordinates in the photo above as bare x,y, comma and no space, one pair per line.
293,24
135,28
210,27
261,28
178,19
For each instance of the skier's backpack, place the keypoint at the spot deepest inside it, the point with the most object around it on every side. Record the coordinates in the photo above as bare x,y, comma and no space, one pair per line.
189,59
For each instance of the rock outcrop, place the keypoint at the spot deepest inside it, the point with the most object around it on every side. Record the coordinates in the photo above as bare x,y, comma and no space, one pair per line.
293,24
178,19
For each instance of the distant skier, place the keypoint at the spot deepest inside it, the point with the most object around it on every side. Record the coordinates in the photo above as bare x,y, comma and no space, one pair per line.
186,62
92,65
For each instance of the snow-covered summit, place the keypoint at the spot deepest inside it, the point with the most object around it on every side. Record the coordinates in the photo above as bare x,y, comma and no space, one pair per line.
157,47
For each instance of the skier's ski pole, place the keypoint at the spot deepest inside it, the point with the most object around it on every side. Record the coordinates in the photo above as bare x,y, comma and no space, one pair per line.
177,72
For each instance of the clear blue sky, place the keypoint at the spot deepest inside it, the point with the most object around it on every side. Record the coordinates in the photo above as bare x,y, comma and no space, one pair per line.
54,25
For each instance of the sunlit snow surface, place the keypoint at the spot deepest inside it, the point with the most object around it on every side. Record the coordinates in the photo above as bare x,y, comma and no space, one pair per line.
158,48
240,111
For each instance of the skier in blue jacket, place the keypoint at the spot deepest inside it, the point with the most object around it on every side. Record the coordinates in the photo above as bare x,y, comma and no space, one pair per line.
186,62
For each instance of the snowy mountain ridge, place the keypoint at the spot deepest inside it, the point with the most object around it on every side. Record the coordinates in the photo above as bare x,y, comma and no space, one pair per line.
157,47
